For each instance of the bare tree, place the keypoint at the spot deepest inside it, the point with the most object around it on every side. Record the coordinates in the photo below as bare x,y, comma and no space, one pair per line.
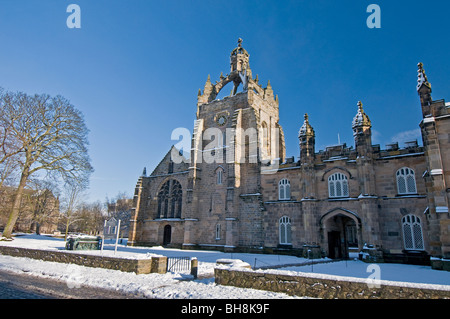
70,204
120,207
9,146
90,218
48,135
44,206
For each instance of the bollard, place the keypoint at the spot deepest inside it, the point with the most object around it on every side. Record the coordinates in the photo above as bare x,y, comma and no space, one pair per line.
194,267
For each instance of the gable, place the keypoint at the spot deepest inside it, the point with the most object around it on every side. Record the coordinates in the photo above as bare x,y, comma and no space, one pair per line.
166,166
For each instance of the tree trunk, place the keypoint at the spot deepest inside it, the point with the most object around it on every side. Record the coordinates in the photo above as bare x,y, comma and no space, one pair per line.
16,204
67,229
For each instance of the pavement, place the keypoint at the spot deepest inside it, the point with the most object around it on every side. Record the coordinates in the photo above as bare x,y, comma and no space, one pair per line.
25,286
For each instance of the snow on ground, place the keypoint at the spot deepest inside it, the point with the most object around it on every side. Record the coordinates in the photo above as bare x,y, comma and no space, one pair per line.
178,285
168,286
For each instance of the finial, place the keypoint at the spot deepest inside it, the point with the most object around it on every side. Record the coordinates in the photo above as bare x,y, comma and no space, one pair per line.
361,118
306,129
240,42
144,172
360,106
422,77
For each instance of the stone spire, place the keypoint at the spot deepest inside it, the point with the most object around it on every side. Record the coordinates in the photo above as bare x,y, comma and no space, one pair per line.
361,119
307,141
362,133
306,129
422,77
424,90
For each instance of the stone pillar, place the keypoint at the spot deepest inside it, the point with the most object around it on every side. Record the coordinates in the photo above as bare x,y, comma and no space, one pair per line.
159,265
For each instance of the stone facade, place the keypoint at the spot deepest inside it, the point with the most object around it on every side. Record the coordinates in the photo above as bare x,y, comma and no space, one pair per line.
239,192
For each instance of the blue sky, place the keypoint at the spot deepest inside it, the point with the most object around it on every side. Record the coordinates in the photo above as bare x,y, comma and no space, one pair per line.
135,67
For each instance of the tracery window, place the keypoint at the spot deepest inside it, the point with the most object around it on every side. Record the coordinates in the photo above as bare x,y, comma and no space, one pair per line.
170,199
338,185
285,230
412,232
406,181
284,189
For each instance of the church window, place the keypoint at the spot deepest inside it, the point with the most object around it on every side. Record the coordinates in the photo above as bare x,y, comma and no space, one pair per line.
218,230
406,181
219,175
285,231
338,185
170,200
412,232
284,189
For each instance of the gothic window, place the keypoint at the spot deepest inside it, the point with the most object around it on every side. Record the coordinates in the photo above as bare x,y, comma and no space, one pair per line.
412,232
284,189
219,175
338,185
406,181
170,200
218,229
285,231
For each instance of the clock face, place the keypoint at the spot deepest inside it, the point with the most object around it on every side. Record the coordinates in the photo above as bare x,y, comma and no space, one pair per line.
222,120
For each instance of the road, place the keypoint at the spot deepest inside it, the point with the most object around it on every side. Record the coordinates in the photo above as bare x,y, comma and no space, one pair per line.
23,286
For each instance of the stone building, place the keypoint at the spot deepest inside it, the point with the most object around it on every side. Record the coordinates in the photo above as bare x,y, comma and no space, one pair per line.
239,192
39,210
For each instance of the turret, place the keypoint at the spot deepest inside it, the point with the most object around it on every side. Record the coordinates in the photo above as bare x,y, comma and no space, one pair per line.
362,133
209,93
306,138
239,58
424,90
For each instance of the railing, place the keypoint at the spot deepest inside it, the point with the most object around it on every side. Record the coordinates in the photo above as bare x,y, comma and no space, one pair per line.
178,264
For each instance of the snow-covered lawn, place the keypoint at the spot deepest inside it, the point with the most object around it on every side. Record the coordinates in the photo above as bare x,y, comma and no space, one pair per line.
175,285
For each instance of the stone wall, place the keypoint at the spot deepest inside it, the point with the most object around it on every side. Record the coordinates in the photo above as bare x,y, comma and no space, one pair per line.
320,287
139,266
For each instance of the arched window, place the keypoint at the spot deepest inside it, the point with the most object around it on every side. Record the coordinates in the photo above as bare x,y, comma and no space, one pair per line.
170,200
218,230
219,175
285,231
284,189
406,181
338,185
412,232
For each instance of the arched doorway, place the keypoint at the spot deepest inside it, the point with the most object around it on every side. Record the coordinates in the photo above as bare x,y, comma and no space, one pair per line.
167,237
340,232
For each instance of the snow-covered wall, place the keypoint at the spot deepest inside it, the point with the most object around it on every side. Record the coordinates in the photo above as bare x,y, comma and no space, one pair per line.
139,266
327,286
